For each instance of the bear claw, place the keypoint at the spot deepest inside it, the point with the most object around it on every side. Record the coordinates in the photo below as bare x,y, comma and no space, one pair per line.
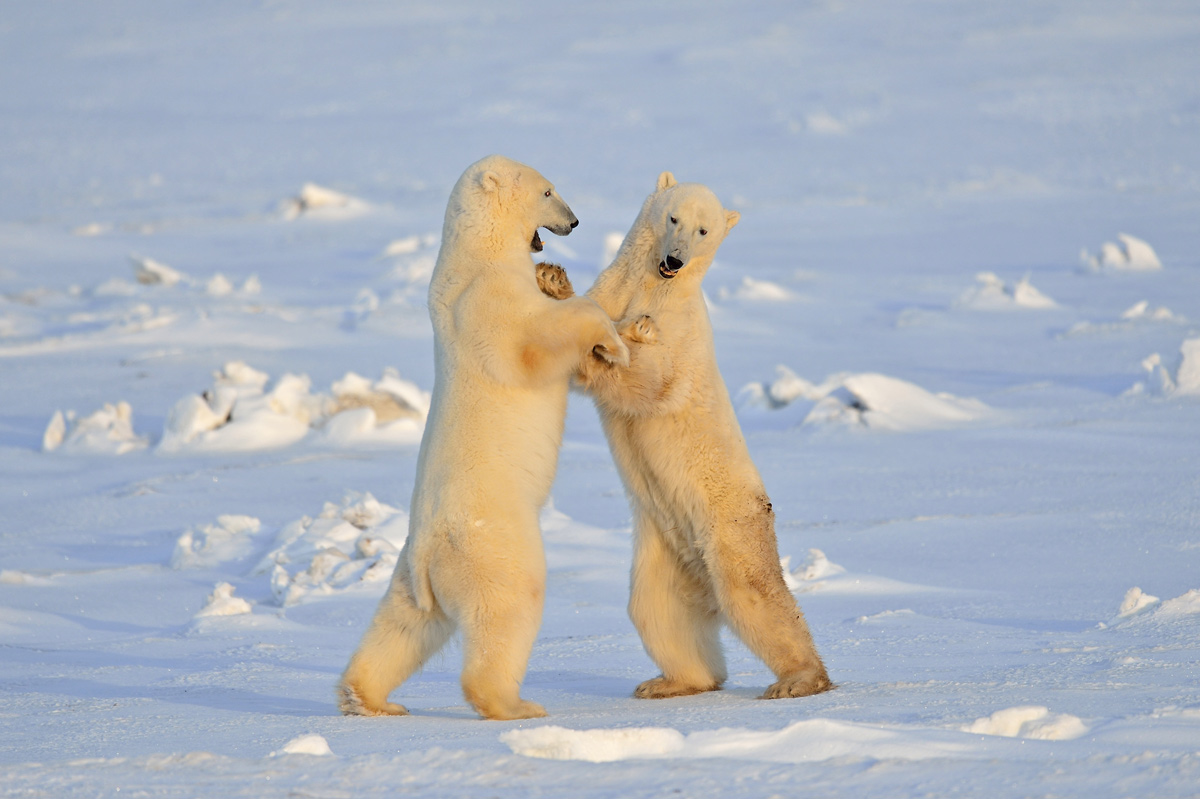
552,280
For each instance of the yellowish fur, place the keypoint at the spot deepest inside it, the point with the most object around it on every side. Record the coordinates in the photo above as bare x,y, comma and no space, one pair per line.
504,353
704,534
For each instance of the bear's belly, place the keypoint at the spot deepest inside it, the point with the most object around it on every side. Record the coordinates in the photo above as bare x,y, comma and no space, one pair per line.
490,448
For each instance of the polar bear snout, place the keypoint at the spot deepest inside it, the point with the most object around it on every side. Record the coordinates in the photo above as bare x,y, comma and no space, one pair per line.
564,228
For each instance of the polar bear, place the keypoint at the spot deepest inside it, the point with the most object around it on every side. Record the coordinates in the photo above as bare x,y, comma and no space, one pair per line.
704,532
504,356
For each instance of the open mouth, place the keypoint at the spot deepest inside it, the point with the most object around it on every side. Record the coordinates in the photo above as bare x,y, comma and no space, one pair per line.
536,244
666,271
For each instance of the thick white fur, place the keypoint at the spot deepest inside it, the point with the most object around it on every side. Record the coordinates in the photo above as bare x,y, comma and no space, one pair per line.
504,356
704,531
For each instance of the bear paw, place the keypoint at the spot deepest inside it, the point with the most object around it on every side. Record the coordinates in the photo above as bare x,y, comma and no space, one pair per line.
641,330
662,688
800,685
351,704
523,709
553,281
613,353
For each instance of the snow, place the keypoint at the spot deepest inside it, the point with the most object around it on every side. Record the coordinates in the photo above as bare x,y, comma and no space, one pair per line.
1030,721
991,294
306,745
222,602
216,237
871,401
1127,254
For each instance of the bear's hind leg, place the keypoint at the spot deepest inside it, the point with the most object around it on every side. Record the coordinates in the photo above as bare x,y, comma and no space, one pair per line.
398,642
764,614
672,609
499,611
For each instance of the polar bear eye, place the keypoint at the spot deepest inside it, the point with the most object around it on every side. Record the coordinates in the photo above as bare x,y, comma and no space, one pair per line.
548,192
674,221
703,232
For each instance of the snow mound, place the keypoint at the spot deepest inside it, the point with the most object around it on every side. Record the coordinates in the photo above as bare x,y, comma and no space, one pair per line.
885,403
322,203
1185,382
222,602
1029,721
594,746
991,294
1137,314
1135,602
390,410
108,431
815,567
1181,606
1130,255
868,400
150,272
230,538
1139,608
14,577
347,547
812,741
305,745
1143,311
238,414
753,290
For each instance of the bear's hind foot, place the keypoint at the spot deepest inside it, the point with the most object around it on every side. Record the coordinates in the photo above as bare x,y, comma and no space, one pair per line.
521,709
806,684
351,703
553,281
662,688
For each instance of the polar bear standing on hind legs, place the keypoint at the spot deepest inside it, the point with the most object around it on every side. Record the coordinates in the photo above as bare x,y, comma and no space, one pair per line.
504,355
704,531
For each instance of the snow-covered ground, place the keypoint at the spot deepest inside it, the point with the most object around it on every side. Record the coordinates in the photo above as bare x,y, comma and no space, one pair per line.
960,319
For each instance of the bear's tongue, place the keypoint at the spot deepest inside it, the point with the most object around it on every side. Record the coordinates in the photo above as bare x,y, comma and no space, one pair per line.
536,244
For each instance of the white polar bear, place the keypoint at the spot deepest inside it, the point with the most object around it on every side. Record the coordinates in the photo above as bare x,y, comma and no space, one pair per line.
704,531
504,357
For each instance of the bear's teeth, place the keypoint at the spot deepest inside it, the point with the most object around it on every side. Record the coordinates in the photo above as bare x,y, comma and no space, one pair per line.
665,272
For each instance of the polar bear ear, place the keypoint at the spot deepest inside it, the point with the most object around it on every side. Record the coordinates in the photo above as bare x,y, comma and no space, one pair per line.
666,180
731,219
491,182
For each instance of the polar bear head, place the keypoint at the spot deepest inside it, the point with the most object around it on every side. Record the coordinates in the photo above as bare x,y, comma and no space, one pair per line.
500,199
690,223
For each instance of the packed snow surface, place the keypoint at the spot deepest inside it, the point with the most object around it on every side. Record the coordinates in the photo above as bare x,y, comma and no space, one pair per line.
957,319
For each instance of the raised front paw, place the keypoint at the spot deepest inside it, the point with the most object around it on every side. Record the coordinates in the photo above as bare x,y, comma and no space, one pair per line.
553,281
613,352
640,329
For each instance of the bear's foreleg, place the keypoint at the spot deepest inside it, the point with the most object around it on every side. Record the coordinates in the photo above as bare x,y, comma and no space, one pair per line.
651,385
563,333
673,611
400,639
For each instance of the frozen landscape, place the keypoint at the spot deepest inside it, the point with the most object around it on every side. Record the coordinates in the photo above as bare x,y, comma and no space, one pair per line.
960,319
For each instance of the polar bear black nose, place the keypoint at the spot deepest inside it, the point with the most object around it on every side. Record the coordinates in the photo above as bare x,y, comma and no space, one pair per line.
673,262
575,224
